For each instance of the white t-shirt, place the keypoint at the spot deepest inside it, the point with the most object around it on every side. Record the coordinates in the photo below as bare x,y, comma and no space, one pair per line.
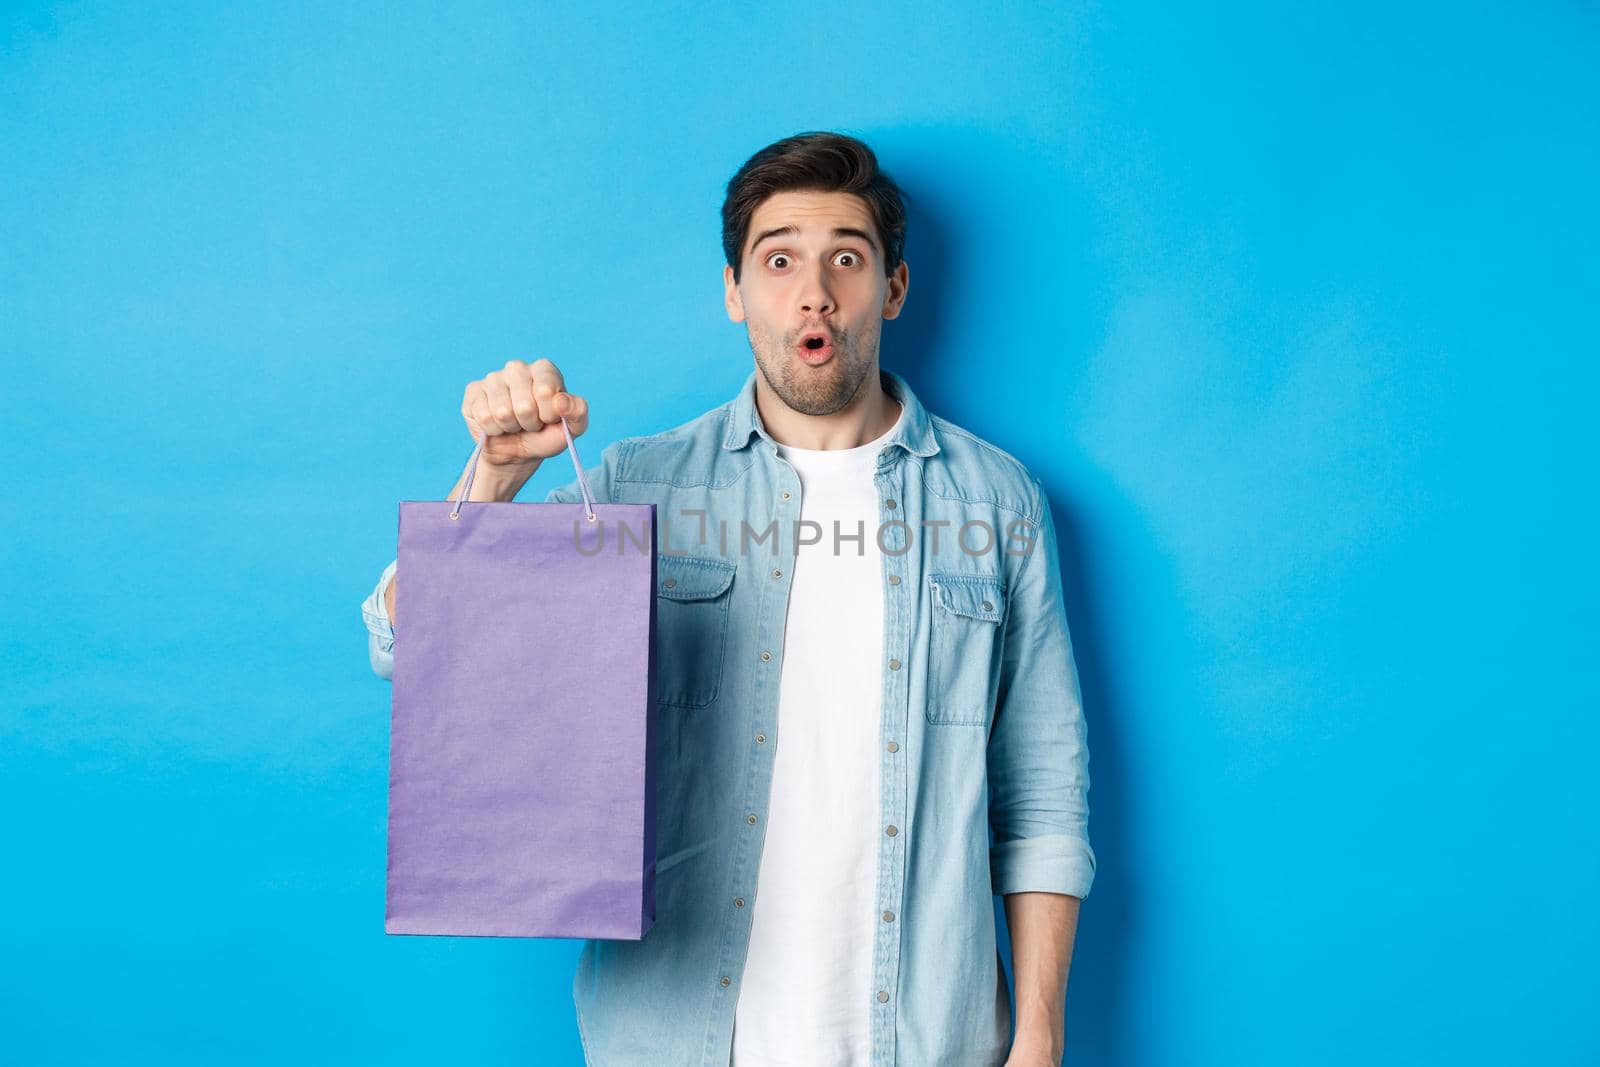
806,995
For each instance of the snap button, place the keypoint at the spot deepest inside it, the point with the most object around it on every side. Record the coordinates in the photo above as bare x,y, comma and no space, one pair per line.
883,998
894,579
891,831
669,583
738,902
726,980
765,654
761,739
888,503
893,746
987,606
888,916
894,665
751,819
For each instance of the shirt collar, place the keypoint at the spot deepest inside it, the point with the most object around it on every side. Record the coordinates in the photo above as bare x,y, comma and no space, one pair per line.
915,433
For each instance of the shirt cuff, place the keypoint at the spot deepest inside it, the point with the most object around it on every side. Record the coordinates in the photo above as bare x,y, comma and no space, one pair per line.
376,614
1056,863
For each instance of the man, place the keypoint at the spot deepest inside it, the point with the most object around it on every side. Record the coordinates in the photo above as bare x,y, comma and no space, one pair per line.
864,667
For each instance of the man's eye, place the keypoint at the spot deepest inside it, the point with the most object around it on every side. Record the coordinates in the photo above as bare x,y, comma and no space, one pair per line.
851,256
772,260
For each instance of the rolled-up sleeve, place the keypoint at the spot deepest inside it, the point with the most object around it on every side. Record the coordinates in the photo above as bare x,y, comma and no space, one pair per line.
380,631
1038,751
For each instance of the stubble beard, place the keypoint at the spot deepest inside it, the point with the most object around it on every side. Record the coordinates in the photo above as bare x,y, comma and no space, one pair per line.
806,389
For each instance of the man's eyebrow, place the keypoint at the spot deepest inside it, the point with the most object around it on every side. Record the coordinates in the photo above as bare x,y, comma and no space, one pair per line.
792,231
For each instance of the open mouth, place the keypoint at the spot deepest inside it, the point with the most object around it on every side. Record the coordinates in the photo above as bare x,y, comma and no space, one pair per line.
815,348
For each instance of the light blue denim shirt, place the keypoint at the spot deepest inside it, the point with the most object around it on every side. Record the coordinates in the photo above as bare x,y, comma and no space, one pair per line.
982,750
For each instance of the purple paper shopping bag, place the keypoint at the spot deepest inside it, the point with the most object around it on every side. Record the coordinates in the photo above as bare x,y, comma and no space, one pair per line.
521,781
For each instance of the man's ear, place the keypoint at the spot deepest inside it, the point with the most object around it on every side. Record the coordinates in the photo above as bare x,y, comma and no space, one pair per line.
899,285
730,295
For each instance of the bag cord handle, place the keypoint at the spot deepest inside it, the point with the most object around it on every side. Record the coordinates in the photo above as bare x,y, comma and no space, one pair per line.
572,450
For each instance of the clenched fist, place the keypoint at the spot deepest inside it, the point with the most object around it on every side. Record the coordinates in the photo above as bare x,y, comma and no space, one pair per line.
520,408
517,411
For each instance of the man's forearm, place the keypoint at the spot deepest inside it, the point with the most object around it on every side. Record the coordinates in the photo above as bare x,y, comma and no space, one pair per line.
490,484
1043,927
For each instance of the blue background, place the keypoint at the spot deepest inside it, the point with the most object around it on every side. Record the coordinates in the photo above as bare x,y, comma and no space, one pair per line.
1291,310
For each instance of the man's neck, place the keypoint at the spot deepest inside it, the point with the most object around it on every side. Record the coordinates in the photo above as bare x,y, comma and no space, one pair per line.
866,418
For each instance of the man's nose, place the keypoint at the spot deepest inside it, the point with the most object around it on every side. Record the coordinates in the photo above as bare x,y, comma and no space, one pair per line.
815,299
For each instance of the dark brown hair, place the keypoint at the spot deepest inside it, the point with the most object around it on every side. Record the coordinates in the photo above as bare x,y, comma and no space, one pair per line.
818,161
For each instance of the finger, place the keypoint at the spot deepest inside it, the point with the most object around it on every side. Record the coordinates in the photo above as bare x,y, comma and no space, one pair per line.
575,409
547,382
519,383
497,394
475,409
543,370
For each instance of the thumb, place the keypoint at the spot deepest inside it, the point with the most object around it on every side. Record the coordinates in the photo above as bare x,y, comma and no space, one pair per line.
575,410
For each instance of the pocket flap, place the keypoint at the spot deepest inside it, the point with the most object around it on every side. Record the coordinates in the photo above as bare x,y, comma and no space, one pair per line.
976,596
692,577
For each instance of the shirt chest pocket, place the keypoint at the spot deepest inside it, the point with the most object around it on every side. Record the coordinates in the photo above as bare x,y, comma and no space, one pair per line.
692,598
964,647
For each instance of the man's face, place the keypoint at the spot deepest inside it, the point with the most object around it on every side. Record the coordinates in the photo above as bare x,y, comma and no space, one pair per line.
812,267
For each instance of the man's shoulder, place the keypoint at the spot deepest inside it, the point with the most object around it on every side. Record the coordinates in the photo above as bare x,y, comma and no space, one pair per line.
688,454
970,468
